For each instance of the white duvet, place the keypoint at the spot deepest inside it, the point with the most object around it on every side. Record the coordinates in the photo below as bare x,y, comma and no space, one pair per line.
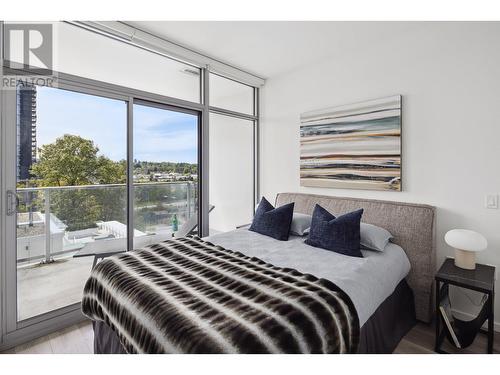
368,281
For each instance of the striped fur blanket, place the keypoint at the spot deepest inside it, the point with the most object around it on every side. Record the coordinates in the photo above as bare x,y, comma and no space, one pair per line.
186,295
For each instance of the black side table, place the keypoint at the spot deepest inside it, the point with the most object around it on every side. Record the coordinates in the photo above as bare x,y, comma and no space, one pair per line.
482,279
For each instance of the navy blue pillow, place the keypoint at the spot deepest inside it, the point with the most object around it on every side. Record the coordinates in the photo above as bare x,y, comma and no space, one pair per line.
273,222
340,234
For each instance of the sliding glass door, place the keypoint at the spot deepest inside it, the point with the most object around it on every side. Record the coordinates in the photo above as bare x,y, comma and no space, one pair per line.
88,172
165,169
71,153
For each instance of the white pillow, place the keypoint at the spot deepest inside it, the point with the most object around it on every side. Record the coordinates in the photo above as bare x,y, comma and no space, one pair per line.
300,224
373,237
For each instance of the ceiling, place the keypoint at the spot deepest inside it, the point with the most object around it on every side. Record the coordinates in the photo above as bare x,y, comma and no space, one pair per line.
269,49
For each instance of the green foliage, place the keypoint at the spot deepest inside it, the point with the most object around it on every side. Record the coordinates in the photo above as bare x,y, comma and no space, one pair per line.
113,203
111,172
147,167
78,209
70,161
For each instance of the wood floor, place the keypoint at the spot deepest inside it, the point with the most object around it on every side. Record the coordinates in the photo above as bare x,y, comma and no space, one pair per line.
420,340
78,339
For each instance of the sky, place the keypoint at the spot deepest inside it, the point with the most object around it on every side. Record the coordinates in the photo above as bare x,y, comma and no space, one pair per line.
159,135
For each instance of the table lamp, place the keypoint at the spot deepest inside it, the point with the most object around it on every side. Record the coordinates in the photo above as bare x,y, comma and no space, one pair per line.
466,243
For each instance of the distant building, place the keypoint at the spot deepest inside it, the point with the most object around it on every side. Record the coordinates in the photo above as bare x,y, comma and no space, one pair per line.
26,130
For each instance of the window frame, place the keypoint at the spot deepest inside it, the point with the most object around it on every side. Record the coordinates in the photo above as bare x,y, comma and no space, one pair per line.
256,128
12,334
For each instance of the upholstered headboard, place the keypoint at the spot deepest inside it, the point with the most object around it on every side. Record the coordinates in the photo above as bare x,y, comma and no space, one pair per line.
412,226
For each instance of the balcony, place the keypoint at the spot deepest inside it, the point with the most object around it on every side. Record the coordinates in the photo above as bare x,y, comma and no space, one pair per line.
54,223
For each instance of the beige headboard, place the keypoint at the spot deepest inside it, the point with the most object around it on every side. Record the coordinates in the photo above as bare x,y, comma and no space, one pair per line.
412,226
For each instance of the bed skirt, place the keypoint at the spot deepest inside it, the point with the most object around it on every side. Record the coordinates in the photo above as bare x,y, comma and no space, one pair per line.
380,334
393,319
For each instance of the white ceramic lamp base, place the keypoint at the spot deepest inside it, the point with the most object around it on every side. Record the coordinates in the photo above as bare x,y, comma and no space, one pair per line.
465,259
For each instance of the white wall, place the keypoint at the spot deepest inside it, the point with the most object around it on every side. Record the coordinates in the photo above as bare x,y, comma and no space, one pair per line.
449,76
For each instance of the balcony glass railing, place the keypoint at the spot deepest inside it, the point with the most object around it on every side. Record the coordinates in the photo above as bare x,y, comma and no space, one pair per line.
58,221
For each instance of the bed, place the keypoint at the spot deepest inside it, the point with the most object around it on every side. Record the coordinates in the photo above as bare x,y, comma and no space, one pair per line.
389,291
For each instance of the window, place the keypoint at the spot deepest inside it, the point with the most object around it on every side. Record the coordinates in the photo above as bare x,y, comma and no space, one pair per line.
231,95
231,172
112,61
100,166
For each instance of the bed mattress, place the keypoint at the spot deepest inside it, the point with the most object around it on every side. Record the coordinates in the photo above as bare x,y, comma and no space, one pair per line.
368,281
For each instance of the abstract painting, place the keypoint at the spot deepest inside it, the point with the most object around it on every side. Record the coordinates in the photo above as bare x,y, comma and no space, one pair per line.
356,146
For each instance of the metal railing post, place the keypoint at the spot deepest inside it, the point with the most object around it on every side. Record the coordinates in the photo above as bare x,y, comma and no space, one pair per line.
188,197
47,226
28,201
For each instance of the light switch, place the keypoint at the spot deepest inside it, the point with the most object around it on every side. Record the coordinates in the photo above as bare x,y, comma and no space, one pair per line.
491,201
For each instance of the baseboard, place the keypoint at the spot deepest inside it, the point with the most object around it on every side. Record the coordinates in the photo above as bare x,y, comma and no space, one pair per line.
467,316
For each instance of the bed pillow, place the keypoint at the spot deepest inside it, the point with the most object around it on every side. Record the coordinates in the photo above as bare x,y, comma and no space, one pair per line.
273,222
339,234
373,237
300,224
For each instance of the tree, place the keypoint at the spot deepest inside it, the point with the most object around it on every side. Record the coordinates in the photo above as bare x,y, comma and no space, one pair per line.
72,161
111,172
78,209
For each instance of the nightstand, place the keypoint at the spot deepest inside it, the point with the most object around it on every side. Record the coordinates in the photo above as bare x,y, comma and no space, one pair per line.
482,279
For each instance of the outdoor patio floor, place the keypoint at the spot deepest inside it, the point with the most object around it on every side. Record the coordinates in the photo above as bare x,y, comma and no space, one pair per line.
46,287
